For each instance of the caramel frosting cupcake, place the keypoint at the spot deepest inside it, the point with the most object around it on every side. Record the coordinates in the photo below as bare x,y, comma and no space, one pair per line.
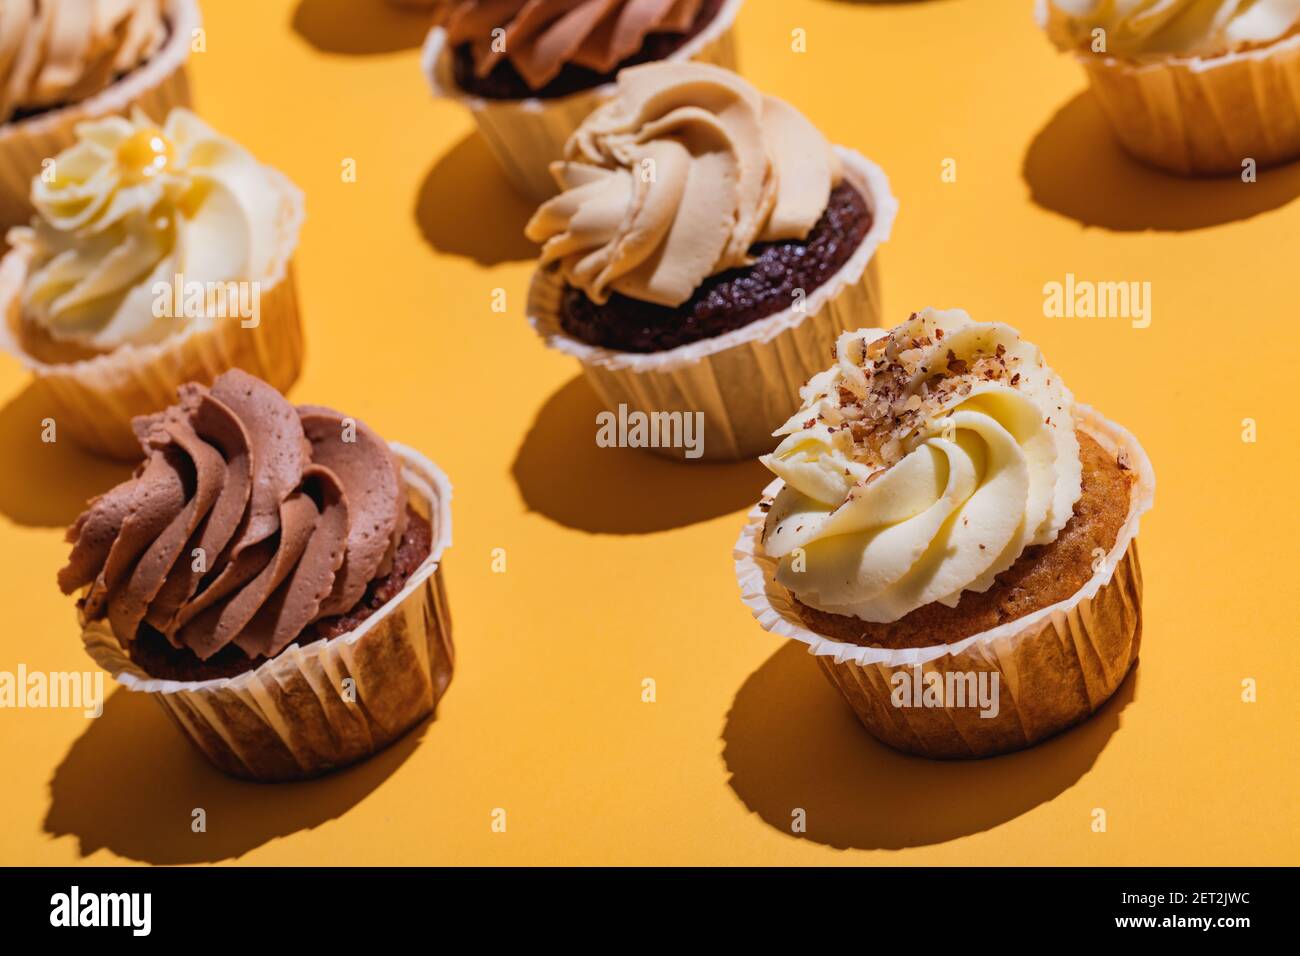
943,506
531,70
707,244
63,62
1191,86
282,552
157,255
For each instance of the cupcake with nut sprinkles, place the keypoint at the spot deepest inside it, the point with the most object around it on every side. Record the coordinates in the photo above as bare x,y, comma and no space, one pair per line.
944,507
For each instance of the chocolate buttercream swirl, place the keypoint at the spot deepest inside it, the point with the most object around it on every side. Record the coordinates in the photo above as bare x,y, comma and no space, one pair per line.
54,52
540,37
247,520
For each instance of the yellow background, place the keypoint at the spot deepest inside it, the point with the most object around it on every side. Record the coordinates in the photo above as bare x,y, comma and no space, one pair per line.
619,563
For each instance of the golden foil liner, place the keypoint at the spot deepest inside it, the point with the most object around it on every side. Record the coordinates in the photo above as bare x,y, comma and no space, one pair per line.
93,400
1204,116
313,709
527,135
155,87
1054,667
747,381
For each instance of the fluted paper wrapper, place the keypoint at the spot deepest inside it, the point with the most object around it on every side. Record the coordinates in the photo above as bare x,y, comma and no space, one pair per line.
527,135
747,381
1204,116
294,717
1055,667
155,87
93,400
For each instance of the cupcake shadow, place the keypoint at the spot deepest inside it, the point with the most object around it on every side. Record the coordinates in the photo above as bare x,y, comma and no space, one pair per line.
563,474
131,784
791,743
1075,167
467,208
46,484
360,27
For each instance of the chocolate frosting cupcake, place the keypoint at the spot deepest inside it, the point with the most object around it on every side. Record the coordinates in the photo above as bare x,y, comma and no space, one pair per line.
510,49
248,521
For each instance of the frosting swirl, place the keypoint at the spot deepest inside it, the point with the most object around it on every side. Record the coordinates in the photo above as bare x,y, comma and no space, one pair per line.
540,37
248,520
1135,28
54,52
674,180
131,205
921,465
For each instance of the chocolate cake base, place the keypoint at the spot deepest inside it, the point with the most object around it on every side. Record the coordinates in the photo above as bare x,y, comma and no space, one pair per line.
729,300
1044,575
152,652
505,83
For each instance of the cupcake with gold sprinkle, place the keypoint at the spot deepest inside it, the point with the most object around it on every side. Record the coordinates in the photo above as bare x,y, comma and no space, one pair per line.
158,255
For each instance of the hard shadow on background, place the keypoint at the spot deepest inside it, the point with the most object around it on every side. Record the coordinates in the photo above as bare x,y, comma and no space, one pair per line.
791,742
563,474
466,207
1075,167
361,27
46,484
131,783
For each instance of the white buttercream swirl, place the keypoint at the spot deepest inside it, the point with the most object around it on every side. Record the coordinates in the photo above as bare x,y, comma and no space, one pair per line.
1137,28
131,205
675,179
921,466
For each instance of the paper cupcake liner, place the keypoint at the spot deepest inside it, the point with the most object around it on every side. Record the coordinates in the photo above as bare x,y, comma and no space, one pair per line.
527,135
1055,667
1204,116
294,717
156,87
93,400
747,381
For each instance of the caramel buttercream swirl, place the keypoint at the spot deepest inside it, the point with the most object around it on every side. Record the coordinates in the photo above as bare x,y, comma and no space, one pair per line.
54,52
540,37
920,466
1139,28
247,520
675,179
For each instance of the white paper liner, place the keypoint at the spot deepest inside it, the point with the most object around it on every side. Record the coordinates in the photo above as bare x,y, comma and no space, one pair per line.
291,717
94,400
1056,666
155,87
747,381
527,135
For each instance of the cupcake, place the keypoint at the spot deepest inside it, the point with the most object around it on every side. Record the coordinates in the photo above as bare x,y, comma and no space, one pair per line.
953,538
707,249
531,70
63,62
1191,86
157,256
270,575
